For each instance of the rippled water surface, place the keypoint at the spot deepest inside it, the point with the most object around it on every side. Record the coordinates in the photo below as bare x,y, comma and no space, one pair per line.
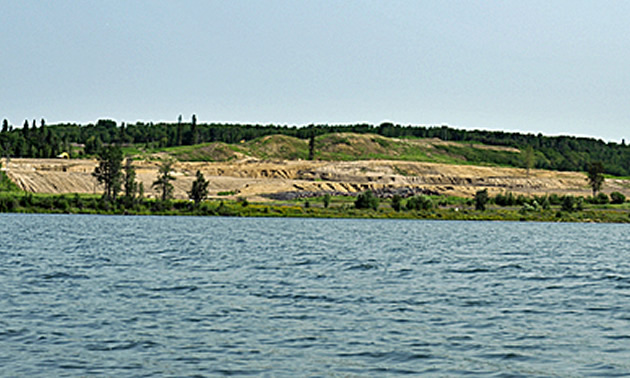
180,296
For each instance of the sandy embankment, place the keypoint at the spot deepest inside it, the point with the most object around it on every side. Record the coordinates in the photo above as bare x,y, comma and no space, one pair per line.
251,178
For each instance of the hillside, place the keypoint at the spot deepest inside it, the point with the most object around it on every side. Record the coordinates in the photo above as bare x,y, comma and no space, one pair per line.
351,147
344,163
252,178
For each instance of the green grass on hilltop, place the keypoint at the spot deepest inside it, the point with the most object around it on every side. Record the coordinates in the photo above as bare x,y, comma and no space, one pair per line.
349,147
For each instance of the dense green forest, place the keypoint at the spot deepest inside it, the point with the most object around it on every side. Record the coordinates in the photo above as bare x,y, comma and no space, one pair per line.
564,153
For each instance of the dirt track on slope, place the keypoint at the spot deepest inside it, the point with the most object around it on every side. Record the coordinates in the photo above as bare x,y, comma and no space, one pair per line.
251,178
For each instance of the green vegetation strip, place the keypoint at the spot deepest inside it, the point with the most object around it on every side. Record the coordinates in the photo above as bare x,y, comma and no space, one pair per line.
434,208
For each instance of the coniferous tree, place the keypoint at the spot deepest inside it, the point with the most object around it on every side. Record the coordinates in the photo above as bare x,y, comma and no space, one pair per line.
180,130
109,171
25,130
311,146
193,130
481,199
199,190
163,182
131,186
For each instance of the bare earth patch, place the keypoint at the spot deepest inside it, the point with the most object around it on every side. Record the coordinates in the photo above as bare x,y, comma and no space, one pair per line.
251,178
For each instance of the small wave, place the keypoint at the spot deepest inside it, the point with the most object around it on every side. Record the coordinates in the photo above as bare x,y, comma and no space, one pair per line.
63,275
116,345
237,372
511,266
176,288
304,262
506,356
469,270
391,356
615,277
10,333
618,337
364,266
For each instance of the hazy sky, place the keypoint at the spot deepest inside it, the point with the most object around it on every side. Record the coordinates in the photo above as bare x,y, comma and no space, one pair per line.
556,67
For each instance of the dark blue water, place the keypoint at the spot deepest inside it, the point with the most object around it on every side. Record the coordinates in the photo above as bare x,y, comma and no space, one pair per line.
180,296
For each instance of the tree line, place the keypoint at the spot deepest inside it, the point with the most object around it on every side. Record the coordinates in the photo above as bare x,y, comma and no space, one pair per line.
565,153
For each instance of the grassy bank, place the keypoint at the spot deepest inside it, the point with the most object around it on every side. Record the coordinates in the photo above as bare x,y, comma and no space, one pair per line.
450,208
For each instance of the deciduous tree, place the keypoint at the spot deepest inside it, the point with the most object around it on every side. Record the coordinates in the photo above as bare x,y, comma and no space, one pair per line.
596,176
529,158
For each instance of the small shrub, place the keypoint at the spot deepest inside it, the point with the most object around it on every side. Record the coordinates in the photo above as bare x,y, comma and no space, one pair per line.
26,200
326,200
601,199
545,203
205,208
77,201
554,199
521,200
568,203
617,198
579,204
230,193
366,200
419,203
8,204
505,199
529,208
397,202
61,203
43,202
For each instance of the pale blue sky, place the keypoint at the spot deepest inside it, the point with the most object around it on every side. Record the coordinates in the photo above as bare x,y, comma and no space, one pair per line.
556,67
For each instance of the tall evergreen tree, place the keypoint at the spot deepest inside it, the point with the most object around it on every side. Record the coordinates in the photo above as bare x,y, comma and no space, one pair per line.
193,130
199,190
25,130
481,199
311,146
163,182
131,186
109,171
180,130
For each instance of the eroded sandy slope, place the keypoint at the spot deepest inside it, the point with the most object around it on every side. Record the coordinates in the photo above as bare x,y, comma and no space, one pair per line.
251,178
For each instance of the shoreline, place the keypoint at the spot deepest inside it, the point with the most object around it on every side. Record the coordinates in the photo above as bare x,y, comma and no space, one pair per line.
28,203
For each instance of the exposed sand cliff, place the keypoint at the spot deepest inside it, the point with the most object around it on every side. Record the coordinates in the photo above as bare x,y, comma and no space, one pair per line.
251,178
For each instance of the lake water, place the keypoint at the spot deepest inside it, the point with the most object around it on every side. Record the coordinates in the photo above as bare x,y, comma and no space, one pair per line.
195,296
